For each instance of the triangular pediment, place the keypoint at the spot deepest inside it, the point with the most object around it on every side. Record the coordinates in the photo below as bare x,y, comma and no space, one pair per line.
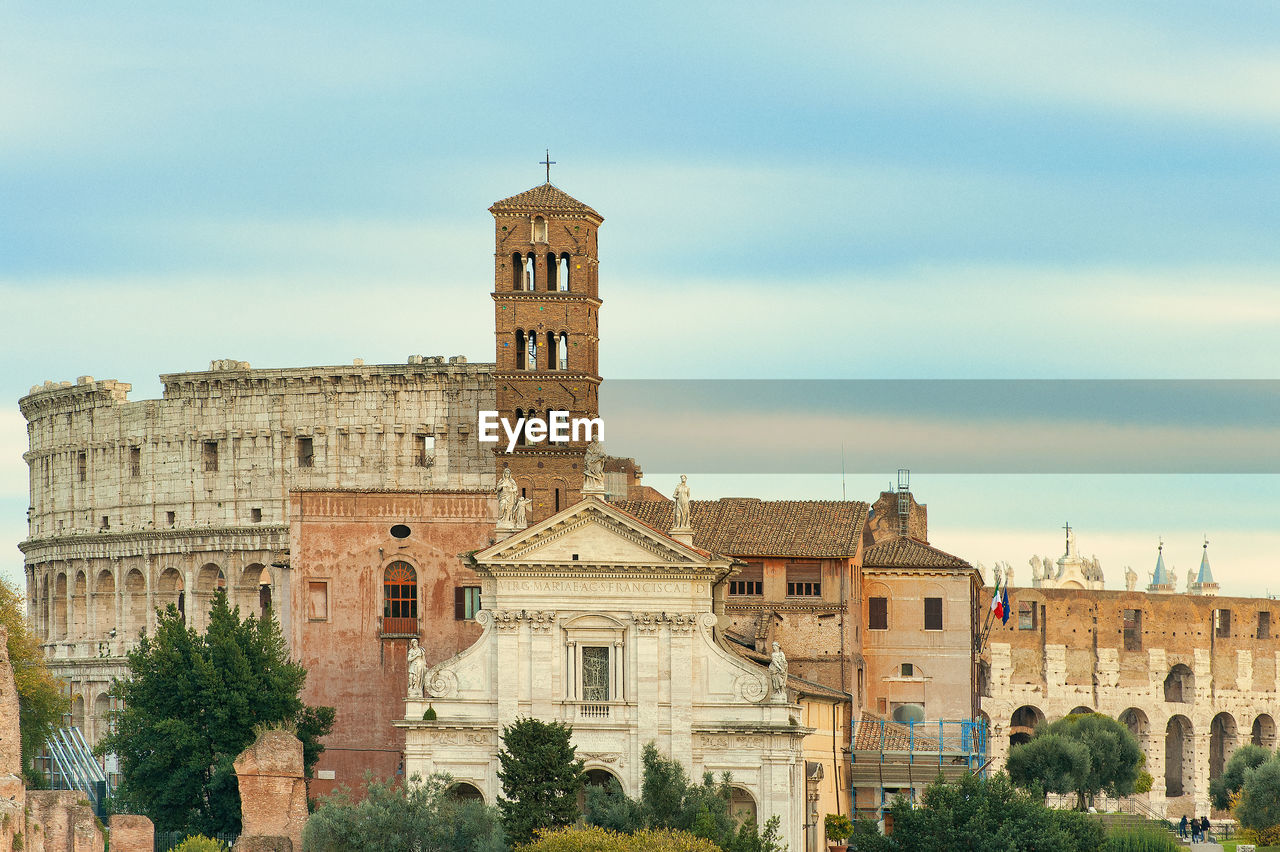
592,533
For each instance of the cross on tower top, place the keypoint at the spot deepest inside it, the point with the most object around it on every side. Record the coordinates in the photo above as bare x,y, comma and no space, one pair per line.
1067,527
548,162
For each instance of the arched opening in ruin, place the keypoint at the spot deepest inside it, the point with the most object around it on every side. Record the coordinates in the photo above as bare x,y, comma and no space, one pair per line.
60,607
170,589
1137,723
1179,757
1263,732
1023,724
253,592
43,615
742,806
101,717
1180,685
79,607
466,792
135,601
77,712
209,579
1222,741
104,605
1081,711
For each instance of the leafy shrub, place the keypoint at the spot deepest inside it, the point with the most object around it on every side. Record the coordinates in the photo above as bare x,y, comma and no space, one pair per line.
200,843
1141,840
1260,837
595,839
838,827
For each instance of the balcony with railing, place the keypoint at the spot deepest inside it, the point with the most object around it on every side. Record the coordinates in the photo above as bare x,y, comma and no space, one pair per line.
608,712
390,627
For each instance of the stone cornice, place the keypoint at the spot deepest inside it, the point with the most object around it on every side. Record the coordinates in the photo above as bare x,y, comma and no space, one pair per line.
144,542
568,571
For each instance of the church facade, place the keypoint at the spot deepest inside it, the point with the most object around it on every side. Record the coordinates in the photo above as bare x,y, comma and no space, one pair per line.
596,620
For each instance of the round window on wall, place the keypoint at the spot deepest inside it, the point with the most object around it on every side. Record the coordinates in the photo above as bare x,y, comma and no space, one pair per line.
400,531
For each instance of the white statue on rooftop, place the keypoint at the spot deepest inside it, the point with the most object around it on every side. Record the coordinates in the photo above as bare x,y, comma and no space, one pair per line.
680,513
778,672
417,664
593,468
522,511
1130,578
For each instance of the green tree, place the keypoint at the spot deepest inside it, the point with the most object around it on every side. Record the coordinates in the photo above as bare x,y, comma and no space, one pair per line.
597,839
668,801
1115,758
1056,763
41,702
1246,757
986,815
191,702
422,817
541,778
1259,805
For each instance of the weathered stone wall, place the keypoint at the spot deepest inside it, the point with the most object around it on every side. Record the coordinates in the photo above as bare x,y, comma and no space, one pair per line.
130,833
62,821
273,793
1190,684
136,505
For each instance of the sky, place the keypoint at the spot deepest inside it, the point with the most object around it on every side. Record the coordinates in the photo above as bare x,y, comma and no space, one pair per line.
844,191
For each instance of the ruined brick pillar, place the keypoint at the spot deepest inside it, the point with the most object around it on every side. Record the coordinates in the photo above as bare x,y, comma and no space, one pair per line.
12,792
273,793
130,833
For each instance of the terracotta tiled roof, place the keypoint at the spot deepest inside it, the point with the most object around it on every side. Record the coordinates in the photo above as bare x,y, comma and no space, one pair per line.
908,553
874,732
745,526
547,197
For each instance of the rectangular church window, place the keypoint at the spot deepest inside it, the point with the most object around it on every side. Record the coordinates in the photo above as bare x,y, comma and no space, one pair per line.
750,581
595,673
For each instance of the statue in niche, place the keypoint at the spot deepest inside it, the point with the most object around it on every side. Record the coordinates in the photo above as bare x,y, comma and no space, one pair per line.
680,514
522,511
417,668
1130,578
508,495
593,467
778,671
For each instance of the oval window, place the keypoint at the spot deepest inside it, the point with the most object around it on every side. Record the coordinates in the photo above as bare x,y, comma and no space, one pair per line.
400,531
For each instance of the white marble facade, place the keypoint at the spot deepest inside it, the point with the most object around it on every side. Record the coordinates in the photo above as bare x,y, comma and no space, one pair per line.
594,619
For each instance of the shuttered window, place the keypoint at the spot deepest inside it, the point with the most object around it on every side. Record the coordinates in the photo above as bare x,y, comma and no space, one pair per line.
804,579
877,613
466,602
750,581
933,613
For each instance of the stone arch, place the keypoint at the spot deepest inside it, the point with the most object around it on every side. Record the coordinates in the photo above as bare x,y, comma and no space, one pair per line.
77,712
43,615
742,806
1137,723
135,602
1263,731
1223,738
101,716
171,589
1023,724
253,592
79,627
1179,757
60,606
209,579
1180,685
104,604
598,776
466,791
1081,711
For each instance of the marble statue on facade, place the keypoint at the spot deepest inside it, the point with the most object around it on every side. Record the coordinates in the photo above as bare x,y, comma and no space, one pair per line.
778,671
417,661
522,511
1130,578
1034,562
508,496
680,514
593,468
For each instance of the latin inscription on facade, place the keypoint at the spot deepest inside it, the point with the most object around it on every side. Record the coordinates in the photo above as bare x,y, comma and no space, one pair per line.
597,587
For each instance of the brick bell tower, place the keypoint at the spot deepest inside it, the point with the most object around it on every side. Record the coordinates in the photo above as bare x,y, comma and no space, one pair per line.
546,313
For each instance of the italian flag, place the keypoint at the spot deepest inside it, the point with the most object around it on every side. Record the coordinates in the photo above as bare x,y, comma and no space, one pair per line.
996,606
